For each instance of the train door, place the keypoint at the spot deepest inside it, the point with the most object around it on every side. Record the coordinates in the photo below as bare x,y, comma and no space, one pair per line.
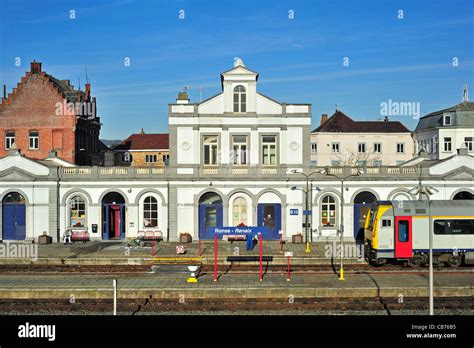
403,237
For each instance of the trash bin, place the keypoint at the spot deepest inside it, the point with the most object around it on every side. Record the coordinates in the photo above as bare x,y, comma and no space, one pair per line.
45,239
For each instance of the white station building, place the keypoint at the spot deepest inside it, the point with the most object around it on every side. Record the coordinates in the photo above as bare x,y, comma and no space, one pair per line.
237,158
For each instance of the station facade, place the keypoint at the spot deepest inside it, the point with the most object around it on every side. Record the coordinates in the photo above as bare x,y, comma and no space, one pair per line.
237,158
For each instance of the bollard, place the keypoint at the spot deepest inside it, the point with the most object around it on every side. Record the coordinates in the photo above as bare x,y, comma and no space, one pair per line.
115,296
261,256
288,277
215,258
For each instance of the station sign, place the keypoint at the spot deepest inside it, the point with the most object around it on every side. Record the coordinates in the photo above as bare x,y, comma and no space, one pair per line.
288,254
231,230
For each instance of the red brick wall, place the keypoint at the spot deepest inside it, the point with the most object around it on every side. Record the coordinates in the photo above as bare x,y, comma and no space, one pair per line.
32,107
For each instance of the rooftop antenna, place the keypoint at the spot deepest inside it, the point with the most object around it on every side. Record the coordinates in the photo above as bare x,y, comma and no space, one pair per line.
465,94
336,107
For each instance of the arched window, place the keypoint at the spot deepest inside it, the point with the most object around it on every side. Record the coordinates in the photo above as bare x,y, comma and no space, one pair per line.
150,212
328,211
240,100
14,198
239,212
77,212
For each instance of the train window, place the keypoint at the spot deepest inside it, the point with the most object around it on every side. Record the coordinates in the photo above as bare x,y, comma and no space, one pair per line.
403,231
386,223
454,226
420,211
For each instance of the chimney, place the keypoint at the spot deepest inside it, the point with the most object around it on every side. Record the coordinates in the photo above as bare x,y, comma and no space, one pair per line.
183,97
4,91
88,89
324,118
35,67
143,131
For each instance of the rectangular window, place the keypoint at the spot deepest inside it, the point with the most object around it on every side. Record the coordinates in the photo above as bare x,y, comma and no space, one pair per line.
361,147
314,147
9,139
34,140
269,150
377,147
400,147
314,163
454,226
361,163
447,144
403,235
377,163
386,223
447,120
150,158
240,149
335,163
335,147
468,143
210,150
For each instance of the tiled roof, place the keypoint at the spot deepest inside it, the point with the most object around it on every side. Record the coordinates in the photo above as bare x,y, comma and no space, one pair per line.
145,142
341,123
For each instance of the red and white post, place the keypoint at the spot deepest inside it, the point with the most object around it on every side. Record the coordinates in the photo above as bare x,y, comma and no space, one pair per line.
215,258
261,257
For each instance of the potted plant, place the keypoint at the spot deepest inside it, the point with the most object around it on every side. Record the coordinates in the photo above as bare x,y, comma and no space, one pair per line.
185,238
297,238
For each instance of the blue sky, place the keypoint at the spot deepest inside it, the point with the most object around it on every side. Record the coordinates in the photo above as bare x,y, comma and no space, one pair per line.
300,60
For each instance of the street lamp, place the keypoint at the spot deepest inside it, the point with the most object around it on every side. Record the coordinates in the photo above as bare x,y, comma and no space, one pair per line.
341,227
306,211
427,190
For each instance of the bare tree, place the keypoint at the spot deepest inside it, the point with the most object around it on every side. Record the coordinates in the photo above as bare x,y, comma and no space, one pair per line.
351,158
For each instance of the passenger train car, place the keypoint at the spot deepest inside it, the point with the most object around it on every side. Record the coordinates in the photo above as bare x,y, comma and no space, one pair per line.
399,231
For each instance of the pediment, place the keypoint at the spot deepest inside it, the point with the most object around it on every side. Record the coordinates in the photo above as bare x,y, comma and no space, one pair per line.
462,173
23,164
15,174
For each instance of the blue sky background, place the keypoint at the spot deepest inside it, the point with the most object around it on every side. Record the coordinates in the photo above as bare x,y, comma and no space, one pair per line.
299,60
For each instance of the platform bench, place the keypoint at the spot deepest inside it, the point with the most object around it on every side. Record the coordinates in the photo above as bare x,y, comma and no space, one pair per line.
80,236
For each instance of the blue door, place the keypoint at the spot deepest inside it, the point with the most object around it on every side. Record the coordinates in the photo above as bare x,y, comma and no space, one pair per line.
210,215
269,216
14,221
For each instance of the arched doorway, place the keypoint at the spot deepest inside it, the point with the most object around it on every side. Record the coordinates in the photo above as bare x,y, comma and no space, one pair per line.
210,214
14,217
269,215
362,203
113,216
463,195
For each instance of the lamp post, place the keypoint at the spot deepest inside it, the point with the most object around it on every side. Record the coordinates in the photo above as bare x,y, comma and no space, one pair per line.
427,190
341,227
306,211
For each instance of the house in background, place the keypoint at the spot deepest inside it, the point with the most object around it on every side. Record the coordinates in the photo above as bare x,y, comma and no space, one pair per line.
143,150
441,133
43,114
341,141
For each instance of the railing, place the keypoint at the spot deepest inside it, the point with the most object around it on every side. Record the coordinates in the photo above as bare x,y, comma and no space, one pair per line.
239,171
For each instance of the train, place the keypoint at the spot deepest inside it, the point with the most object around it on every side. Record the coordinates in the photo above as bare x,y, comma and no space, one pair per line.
398,231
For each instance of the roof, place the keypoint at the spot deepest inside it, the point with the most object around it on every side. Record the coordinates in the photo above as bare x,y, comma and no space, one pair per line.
144,142
435,119
341,123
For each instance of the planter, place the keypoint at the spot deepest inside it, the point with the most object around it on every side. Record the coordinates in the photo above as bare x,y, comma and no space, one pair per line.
44,239
297,239
185,238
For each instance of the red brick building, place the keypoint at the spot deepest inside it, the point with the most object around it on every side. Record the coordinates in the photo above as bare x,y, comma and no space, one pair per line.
43,113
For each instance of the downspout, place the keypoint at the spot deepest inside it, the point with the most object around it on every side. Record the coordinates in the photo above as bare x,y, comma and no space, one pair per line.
33,209
58,237
168,212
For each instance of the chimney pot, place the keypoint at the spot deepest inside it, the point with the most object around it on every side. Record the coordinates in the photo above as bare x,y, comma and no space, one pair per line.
324,118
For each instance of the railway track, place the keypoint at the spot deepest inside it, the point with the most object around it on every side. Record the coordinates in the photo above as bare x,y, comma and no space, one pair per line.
222,269
262,305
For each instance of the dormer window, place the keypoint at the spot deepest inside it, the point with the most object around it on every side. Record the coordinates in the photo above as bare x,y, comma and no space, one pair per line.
240,100
447,120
